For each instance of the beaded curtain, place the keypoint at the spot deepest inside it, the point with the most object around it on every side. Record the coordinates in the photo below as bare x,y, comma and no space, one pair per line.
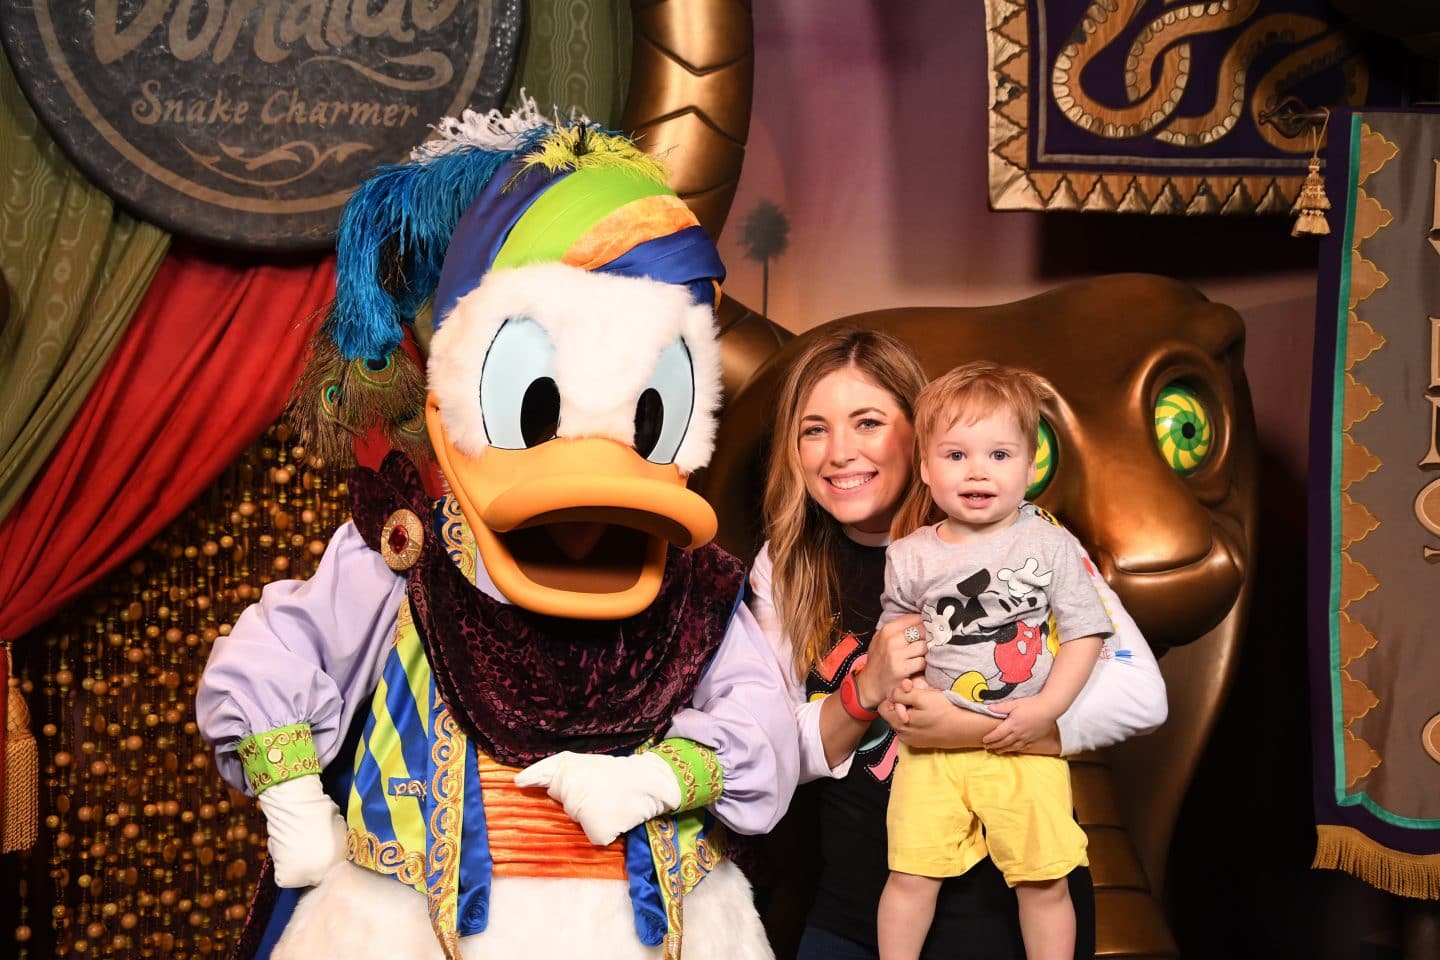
143,851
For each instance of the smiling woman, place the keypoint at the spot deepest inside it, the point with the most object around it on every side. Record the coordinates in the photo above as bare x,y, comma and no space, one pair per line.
855,442
862,417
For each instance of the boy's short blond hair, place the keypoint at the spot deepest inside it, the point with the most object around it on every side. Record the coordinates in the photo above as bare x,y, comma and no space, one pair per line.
975,390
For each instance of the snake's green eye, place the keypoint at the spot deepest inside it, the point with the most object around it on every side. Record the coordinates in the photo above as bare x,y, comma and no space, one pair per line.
1044,468
1183,429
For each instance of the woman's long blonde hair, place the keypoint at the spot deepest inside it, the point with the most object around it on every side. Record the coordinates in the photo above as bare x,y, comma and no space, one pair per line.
803,537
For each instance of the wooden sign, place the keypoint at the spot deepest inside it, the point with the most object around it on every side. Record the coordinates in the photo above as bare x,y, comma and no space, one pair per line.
248,122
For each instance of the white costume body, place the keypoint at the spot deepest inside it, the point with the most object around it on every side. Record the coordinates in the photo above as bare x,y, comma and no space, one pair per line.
293,655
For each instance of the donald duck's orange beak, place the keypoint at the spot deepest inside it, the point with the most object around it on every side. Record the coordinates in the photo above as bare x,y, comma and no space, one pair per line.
573,528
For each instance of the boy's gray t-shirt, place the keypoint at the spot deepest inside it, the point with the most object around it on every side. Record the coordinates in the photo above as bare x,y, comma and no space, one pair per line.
987,605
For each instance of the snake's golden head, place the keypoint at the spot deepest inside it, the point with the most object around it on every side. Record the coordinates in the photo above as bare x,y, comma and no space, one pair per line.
1150,461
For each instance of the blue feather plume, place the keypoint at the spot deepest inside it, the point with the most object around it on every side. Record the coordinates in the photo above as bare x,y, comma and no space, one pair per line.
407,211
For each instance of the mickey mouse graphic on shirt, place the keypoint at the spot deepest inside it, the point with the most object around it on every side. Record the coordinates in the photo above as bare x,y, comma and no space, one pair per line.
994,612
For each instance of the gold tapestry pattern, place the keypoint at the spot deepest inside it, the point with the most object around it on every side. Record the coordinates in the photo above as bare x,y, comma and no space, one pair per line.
1158,70
143,851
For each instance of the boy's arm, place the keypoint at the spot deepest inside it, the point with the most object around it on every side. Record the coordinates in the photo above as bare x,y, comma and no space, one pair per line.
895,599
1073,663
931,721
1082,624
892,656
1030,720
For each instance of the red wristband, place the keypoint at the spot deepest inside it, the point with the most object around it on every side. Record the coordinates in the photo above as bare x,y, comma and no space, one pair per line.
850,698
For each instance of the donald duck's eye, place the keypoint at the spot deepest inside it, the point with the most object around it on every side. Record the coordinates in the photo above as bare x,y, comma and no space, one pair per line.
518,396
662,412
540,412
1044,468
1182,428
649,421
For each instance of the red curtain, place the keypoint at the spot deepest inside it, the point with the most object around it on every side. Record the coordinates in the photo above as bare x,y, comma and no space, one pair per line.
205,366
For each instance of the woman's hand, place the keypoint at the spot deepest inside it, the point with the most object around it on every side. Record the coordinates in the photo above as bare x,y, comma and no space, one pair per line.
892,659
1028,721
923,716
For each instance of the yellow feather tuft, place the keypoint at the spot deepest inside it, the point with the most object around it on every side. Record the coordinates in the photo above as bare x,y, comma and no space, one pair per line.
563,151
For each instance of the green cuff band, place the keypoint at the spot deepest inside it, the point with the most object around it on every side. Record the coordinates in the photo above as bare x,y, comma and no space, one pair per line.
275,756
696,768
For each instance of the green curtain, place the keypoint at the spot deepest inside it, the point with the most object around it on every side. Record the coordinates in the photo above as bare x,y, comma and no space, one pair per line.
576,53
75,269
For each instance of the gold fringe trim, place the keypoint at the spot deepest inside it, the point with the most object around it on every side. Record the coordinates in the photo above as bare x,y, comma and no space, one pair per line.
1403,874
20,824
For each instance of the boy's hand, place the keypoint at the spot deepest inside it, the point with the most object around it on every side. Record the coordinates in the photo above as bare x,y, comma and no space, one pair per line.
921,716
1026,720
897,712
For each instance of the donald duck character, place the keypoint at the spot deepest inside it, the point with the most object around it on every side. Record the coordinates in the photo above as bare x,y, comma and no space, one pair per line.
515,711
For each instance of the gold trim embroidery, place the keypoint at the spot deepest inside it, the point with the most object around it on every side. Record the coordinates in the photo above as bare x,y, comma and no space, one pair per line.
681,765
268,758
447,787
404,620
709,851
684,757
677,874
388,857
665,848
698,791
455,534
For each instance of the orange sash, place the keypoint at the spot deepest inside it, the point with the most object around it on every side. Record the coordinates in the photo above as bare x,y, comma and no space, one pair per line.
531,835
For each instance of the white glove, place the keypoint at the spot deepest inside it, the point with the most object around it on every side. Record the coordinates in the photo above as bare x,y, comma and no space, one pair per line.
307,833
606,795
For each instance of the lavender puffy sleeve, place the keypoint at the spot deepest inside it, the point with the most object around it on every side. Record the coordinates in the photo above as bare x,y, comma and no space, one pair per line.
742,712
308,651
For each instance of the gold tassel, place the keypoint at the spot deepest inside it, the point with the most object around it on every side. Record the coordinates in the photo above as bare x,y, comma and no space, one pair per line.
20,823
1311,204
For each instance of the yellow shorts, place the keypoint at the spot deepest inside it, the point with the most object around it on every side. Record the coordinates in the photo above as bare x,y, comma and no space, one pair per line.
949,808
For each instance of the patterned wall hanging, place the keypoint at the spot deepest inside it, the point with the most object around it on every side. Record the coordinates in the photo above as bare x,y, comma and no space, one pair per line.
1374,572
1147,106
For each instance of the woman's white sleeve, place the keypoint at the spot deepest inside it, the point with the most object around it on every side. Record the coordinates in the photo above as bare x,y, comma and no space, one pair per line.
759,598
1125,695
